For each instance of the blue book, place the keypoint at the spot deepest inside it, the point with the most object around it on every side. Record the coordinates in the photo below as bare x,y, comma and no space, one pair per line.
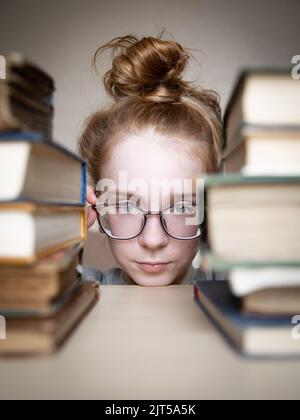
255,336
32,169
22,135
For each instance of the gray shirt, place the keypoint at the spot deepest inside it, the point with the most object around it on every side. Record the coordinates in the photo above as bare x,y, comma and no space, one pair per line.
115,275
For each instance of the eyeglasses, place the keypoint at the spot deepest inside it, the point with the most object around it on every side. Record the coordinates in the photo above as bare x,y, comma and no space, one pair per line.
125,220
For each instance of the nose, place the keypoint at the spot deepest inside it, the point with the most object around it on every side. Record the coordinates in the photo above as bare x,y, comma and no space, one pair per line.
153,236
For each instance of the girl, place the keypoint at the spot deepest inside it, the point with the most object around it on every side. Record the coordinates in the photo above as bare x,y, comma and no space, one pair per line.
159,127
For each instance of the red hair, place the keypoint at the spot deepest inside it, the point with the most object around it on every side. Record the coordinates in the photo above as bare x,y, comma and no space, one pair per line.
146,85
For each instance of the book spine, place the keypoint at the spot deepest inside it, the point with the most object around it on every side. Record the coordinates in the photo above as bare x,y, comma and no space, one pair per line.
83,184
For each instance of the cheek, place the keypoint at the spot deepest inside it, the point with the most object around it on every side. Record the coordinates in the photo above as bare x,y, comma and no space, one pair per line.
123,249
185,249
179,251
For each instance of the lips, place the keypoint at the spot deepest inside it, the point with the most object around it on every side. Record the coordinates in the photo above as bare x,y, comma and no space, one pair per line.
153,262
153,267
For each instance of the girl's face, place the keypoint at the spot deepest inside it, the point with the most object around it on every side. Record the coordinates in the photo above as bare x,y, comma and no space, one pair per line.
149,157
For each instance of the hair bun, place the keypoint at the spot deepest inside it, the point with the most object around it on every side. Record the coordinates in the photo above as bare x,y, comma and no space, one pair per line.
150,68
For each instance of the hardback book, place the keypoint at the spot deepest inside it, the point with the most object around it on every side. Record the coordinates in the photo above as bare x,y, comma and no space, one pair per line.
30,231
38,285
26,96
255,336
21,308
252,219
262,99
262,289
262,124
38,336
267,290
272,301
45,173
261,151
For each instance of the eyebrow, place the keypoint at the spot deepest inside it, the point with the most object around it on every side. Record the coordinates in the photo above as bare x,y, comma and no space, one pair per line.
131,193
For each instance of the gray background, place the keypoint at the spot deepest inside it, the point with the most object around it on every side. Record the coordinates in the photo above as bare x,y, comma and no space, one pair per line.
62,35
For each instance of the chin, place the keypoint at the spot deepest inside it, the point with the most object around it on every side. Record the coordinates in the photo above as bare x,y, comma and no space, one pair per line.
141,278
153,281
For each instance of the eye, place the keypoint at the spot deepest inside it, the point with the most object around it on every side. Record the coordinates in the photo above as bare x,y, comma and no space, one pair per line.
184,208
127,207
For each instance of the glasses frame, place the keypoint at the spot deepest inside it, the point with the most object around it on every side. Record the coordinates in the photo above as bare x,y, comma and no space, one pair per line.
145,214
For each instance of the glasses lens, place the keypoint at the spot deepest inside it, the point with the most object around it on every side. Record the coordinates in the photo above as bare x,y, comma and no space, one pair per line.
182,221
123,220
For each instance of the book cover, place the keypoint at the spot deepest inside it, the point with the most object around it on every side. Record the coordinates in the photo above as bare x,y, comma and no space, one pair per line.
38,139
252,336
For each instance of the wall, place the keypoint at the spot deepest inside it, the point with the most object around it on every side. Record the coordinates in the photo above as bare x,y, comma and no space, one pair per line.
62,35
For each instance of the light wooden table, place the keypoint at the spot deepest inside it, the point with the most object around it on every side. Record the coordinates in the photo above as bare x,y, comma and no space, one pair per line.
147,343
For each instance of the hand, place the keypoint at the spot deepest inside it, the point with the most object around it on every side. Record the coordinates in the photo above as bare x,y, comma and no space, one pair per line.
90,212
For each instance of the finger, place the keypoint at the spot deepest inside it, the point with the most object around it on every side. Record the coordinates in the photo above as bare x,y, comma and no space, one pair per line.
91,216
90,195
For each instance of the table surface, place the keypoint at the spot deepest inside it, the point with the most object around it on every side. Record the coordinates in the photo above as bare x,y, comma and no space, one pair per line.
147,343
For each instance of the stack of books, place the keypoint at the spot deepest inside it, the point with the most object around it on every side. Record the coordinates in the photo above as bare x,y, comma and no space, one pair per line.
26,96
261,123
42,231
251,241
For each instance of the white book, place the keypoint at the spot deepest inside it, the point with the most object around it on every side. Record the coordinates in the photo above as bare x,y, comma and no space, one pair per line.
244,281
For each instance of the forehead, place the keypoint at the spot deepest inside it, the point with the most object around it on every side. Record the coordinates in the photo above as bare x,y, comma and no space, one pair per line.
153,169
149,156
